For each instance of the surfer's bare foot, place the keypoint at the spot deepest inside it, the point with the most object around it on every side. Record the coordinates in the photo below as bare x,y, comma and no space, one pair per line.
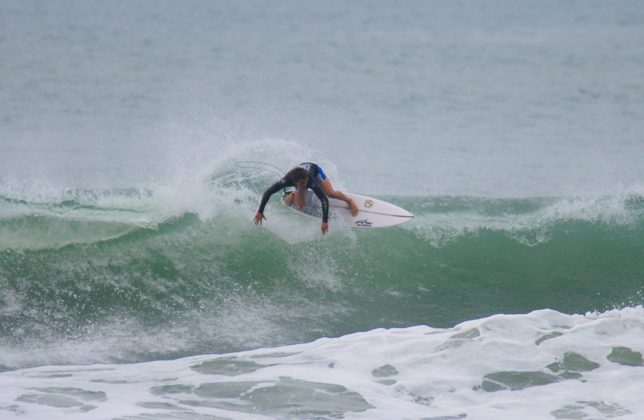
354,208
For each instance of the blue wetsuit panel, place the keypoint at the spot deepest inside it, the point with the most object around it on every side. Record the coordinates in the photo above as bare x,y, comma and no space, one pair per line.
321,173
314,168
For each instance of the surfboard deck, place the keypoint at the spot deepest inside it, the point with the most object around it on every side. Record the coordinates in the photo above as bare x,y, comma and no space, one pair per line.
373,213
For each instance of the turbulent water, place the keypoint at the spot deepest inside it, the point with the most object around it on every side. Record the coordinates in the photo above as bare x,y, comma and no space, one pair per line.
136,140
106,277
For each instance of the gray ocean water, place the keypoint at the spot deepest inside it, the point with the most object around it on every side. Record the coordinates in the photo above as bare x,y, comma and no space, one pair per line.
495,98
134,143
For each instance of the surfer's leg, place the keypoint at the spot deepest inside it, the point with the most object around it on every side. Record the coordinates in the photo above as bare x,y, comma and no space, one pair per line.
288,200
299,196
327,187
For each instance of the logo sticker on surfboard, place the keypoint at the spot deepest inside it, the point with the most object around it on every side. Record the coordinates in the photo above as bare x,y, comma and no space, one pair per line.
368,203
363,223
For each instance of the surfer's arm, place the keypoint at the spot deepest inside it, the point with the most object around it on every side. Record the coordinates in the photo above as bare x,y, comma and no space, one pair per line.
324,201
272,190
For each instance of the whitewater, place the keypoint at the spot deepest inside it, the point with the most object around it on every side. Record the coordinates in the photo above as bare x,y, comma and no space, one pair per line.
539,365
136,140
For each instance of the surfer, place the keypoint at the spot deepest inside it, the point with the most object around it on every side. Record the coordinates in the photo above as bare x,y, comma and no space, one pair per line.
306,175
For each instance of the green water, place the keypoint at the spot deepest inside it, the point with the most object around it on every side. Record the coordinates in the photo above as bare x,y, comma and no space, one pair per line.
221,284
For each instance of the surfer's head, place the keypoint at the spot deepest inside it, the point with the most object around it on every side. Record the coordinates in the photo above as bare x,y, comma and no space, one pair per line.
300,177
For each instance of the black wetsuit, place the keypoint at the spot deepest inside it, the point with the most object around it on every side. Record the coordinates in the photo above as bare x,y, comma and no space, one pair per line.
315,176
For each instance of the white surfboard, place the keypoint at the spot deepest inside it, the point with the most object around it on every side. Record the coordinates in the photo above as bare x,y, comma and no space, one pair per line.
373,213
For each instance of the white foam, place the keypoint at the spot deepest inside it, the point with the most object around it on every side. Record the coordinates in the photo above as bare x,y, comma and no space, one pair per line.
419,372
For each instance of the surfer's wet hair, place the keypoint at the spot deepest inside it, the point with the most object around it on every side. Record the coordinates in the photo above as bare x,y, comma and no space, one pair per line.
298,174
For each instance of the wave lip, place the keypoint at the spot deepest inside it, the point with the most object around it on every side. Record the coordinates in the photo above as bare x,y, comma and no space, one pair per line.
85,217
76,218
543,364
531,221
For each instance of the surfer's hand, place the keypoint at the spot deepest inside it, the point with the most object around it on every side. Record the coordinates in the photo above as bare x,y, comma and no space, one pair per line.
259,217
325,227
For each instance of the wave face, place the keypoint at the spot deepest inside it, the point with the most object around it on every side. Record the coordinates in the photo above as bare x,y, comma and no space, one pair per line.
131,275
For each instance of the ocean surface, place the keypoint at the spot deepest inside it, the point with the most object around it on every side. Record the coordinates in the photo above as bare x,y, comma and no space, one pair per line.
136,139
